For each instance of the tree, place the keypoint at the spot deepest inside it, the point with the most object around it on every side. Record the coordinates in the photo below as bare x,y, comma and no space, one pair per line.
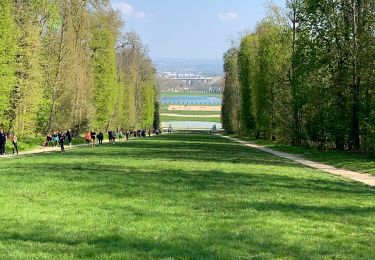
8,50
230,111
246,72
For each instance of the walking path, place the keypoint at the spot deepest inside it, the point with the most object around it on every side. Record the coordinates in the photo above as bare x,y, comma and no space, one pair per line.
43,149
360,177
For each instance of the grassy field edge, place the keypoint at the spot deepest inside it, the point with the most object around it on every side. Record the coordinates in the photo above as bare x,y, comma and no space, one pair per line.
340,159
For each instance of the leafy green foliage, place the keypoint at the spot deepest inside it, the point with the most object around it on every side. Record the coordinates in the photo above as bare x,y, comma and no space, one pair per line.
310,81
60,69
104,70
8,49
231,94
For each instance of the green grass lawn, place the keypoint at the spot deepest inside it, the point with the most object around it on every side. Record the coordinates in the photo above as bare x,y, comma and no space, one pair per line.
179,196
165,118
341,159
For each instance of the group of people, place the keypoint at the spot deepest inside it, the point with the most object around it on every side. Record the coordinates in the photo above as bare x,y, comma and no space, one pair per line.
58,138
3,141
92,136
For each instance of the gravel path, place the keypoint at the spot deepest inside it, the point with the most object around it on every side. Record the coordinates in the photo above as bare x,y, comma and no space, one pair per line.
360,177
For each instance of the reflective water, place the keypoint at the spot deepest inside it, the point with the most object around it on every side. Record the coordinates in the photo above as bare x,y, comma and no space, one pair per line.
191,100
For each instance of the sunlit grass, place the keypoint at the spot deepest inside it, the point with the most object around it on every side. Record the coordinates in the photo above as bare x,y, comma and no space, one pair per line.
179,196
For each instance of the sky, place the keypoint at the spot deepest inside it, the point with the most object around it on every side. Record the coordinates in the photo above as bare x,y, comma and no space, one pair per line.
190,29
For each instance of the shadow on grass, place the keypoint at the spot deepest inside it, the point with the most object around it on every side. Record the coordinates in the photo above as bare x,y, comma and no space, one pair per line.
160,194
50,240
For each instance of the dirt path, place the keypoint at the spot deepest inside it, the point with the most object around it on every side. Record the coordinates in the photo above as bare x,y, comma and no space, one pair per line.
360,177
51,149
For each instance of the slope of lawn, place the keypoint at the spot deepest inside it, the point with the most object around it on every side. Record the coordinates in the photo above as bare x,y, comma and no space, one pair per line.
179,196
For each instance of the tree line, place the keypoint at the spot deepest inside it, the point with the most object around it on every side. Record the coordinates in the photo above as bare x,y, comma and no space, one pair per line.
66,64
305,76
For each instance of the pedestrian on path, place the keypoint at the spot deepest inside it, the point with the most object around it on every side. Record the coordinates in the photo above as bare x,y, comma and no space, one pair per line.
113,137
88,138
15,143
93,136
55,137
109,136
3,141
61,136
100,137
69,135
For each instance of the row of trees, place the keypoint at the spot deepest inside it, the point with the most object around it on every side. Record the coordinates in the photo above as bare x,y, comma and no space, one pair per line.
306,76
65,64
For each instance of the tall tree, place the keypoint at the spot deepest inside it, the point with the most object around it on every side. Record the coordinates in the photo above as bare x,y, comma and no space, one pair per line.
8,50
230,111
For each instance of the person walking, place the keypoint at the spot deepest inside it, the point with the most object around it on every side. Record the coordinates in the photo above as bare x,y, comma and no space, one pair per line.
93,136
55,137
109,136
113,137
100,137
61,137
3,141
14,143
88,138
120,134
49,141
127,135
69,135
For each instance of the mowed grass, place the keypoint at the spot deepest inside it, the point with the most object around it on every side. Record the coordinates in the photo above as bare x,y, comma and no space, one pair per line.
179,196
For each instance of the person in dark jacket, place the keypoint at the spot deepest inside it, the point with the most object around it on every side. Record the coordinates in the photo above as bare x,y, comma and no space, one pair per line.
69,135
100,137
3,141
61,136
109,136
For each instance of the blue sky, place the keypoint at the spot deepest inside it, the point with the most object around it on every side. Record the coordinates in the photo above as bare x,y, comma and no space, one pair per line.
190,28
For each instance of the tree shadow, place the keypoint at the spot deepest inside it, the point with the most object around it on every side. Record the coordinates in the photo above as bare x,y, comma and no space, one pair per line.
213,193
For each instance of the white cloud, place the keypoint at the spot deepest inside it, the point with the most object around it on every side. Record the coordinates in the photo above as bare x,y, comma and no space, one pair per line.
230,16
126,8
128,11
140,15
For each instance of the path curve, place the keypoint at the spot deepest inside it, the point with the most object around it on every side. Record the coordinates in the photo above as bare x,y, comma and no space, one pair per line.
356,176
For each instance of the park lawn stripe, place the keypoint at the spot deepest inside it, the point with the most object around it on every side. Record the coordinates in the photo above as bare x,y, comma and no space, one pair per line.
180,196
